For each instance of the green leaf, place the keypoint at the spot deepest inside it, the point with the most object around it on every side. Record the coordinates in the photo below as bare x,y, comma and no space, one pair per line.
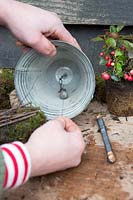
113,29
119,67
118,53
121,60
102,61
127,44
105,49
97,39
120,74
111,42
115,78
131,45
119,28
127,37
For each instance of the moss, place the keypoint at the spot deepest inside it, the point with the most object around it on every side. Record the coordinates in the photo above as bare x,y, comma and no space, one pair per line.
100,91
6,86
21,130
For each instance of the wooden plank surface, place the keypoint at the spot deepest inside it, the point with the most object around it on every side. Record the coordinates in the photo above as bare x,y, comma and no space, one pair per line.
100,12
10,53
94,178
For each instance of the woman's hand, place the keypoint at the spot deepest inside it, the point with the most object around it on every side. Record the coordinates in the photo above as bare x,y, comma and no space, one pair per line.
32,26
57,145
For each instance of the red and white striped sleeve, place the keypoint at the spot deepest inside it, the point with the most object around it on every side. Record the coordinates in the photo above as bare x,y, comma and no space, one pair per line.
17,164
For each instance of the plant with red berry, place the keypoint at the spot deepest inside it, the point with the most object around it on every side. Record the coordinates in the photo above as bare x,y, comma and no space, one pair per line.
116,54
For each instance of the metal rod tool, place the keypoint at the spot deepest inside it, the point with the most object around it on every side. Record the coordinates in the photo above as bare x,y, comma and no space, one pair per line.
110,155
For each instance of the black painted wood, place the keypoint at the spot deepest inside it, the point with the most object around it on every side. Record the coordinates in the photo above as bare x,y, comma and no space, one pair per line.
100,12
10,53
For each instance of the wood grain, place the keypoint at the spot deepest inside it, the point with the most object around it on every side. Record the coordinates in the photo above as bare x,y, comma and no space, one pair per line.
100,12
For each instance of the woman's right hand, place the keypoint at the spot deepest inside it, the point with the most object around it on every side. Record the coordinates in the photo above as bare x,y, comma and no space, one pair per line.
57,145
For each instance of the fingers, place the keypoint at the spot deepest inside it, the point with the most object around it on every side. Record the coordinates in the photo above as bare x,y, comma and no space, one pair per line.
40,43
43,45
63,34
76,136
78,141
68,124
24,48
18,43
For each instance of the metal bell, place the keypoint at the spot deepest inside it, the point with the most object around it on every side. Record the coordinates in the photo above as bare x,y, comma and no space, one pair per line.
63,94
59,85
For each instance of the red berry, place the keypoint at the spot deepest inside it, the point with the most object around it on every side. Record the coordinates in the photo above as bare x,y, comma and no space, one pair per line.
126,76
108,64
102,54
131,72
105,76
130,78
106,57
112,53
123,48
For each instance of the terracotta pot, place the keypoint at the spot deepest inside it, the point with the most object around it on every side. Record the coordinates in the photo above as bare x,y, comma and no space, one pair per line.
119,97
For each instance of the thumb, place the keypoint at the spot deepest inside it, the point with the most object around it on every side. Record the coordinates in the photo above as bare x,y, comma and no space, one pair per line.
68,124
63,34
43,45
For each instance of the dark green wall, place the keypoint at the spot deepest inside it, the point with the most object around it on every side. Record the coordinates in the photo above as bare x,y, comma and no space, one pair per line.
9,53
86,19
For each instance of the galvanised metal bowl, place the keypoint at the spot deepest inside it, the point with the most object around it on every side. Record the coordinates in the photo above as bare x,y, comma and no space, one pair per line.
39,78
